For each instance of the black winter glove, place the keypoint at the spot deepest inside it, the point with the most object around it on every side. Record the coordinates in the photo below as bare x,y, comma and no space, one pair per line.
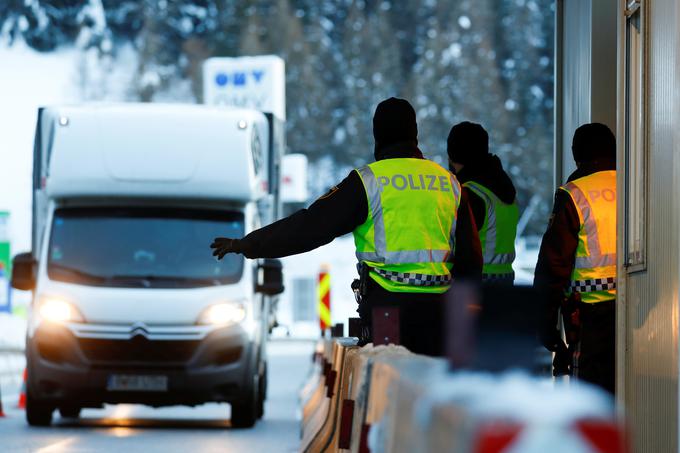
562,361
222,246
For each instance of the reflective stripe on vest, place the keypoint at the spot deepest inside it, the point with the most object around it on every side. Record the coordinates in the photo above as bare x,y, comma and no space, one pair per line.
408,236
589,286
498,232
414,279
594,274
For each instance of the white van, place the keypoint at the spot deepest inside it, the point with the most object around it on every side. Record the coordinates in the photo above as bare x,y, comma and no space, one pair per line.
129,304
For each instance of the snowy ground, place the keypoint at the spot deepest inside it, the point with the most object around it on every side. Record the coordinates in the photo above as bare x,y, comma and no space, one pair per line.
12,337
13,330
339,258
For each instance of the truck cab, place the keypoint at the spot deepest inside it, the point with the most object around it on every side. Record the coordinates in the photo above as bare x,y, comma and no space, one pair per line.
129,305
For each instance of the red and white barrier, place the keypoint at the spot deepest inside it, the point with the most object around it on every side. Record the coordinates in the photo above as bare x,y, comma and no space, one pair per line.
386,399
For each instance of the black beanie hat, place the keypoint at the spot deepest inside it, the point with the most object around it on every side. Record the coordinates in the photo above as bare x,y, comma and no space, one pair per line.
467,143
394,121
592,142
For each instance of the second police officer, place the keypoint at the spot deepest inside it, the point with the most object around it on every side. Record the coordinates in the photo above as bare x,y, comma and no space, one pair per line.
492,198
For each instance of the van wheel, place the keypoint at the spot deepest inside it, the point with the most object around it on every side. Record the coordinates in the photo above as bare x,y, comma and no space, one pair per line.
69,412
37,413
244,413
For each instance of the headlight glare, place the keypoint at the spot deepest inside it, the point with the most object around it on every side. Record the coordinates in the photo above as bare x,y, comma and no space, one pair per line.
223,314
57,310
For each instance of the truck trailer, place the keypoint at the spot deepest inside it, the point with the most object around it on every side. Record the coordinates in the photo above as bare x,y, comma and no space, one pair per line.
129,305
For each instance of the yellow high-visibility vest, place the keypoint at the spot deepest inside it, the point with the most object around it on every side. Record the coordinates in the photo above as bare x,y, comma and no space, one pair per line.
497,234
409,233
594,274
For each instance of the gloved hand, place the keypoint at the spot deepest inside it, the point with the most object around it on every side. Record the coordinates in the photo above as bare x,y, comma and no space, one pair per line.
222,246
562,361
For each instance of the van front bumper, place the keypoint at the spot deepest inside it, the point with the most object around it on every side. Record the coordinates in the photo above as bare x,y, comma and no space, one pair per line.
213,365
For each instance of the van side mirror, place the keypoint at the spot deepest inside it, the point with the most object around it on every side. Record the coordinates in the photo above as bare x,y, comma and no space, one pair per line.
24,270
269,277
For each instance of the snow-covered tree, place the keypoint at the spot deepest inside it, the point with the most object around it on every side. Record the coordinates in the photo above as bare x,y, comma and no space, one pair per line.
489,61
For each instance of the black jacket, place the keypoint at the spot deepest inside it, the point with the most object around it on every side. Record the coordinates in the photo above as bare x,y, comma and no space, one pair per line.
557,255
489,173
342,210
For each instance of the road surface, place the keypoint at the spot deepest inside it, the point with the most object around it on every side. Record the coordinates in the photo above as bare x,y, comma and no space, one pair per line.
131,428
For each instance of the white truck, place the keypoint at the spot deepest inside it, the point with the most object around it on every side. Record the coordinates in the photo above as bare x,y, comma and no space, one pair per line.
129,305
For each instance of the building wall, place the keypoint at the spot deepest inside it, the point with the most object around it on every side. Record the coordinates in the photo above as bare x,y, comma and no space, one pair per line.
648,300
590,71
585,72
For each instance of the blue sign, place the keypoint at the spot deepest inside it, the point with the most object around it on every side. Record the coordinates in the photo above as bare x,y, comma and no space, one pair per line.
239,78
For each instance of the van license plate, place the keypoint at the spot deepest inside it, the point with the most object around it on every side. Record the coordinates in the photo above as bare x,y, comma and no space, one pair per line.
137,383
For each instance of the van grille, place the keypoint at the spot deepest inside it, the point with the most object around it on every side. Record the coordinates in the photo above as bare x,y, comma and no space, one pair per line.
138,350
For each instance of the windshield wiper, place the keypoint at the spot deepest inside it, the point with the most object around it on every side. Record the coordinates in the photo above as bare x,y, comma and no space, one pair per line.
76,273
141,280
149,280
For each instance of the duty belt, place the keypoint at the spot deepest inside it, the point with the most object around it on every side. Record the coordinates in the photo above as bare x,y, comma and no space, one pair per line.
412,279
592,285
499,278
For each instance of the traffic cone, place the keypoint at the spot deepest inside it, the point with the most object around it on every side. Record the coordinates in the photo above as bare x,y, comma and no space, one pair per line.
22,395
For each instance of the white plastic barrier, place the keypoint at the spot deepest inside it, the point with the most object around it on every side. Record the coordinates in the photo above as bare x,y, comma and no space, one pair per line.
463,411
368,389
347,369
311,393
386,399
321,409
410,379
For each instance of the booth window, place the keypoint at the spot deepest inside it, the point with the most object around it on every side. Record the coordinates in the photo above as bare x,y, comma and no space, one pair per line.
635,146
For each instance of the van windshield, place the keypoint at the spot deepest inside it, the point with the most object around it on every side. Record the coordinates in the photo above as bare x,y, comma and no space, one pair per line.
142,247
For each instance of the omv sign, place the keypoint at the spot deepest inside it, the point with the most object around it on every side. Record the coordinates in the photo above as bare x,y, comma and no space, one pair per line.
239,78
257,82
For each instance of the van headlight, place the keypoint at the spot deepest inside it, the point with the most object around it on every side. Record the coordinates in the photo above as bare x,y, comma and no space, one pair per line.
225,313
57,310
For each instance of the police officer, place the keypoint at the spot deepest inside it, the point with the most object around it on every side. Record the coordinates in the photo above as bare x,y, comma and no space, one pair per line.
577,262
399,209
492,198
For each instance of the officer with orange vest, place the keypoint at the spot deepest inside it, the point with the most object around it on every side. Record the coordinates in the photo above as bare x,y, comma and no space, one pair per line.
412,226
577,262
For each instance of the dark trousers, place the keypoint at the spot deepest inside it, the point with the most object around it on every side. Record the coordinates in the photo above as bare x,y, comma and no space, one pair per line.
421,317
595,355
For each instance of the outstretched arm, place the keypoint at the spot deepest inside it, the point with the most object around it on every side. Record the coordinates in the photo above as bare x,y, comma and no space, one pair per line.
338,212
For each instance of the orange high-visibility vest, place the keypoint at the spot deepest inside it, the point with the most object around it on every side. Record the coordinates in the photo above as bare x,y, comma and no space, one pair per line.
594,274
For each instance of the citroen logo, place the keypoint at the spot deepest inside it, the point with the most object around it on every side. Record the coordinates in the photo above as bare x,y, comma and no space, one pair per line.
139,329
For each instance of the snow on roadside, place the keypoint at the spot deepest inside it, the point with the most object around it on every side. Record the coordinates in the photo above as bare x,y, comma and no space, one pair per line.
12,337
29,79
12,331
341,261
